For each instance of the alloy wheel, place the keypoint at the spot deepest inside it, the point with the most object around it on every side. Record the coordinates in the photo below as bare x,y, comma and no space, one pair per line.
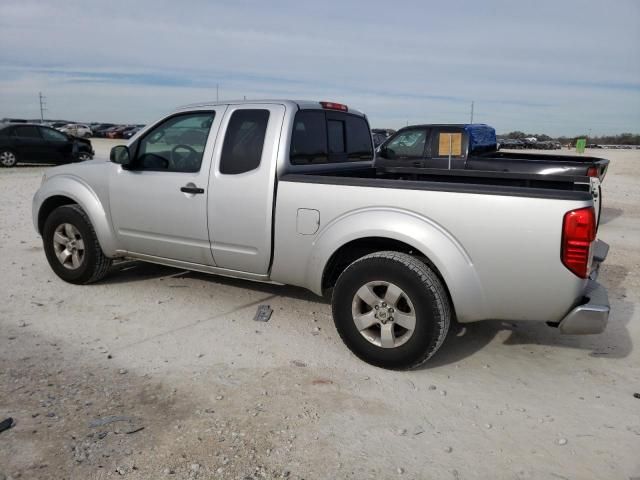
68,246
383,314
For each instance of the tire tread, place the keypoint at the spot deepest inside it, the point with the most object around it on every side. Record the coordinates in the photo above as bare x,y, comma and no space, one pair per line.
430,281
102,263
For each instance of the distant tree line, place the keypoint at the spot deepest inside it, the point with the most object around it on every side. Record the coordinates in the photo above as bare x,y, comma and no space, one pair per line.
620,139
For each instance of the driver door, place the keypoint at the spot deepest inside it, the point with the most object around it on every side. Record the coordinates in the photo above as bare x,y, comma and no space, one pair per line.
159,203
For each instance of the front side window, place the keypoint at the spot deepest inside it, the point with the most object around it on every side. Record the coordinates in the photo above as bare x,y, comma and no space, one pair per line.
26,131
244,141
176,145
53,135
407,144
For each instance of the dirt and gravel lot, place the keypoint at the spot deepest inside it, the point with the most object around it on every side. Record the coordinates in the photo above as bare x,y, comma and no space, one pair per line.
159,373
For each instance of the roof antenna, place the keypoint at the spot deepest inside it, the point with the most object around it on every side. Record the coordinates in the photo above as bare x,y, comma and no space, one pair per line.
471,112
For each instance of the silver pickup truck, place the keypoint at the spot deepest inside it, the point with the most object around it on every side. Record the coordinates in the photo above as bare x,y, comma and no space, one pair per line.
286,192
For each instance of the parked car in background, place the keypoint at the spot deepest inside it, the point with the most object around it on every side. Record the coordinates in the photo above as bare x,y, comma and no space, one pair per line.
116,132
106,133
547,145
100,129
130,132
14,120
33,143
378,138
379,135
57,125
511,144
77,130
449,148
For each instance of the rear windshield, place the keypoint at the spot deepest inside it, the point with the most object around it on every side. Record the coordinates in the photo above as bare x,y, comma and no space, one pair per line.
321,136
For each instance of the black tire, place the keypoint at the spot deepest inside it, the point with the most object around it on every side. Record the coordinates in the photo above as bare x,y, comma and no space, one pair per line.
419,283
8,158
83,157
94,264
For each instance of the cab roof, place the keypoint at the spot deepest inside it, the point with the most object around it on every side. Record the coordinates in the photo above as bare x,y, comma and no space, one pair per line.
294,104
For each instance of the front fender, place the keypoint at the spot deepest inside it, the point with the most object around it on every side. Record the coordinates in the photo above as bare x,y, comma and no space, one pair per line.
423,234
76,189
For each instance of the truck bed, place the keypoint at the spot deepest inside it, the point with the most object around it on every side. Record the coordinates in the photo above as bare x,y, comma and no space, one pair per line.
537,163
463,181
486,222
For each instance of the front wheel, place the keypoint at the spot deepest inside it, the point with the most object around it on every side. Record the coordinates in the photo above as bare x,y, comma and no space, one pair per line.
72,247
391,310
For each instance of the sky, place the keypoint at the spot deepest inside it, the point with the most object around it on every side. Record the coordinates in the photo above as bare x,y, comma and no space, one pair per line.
556,67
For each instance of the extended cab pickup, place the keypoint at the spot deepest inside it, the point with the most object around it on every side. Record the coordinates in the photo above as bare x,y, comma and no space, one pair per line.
475,147
287,192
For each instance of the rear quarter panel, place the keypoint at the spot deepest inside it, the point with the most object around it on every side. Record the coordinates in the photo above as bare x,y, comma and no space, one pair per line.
499,255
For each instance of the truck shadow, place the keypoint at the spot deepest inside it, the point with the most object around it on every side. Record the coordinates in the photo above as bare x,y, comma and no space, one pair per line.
128,271
464,340
610,214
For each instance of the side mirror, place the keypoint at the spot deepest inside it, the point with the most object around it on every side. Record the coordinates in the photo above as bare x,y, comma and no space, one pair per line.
120,155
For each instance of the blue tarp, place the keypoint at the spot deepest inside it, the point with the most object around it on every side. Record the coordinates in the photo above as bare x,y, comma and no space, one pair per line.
481,137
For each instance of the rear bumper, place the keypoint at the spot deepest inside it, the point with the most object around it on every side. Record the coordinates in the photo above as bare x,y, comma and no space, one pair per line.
592,316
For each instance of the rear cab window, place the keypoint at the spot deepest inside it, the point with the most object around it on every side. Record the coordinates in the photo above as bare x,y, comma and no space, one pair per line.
321,136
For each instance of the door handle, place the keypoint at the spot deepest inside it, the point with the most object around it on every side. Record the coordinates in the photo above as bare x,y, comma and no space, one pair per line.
192,189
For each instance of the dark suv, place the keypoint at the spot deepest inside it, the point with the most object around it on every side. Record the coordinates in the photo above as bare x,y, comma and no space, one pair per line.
33,143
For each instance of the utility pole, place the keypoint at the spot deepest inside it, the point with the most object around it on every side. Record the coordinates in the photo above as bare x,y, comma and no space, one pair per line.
217,97
471,112
43,104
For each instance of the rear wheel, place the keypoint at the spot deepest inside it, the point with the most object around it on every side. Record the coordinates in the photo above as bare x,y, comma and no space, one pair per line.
72,247
8,158
391,310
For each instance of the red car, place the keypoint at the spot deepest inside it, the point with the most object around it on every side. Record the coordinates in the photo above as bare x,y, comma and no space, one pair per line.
116,132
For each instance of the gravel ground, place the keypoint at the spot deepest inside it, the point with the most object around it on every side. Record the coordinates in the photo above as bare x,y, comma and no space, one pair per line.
160,373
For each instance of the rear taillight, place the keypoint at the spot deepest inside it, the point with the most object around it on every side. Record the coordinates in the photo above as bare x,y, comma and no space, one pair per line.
592,172
578,232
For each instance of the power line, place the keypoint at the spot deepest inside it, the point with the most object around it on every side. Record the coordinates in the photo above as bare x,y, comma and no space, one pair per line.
43,104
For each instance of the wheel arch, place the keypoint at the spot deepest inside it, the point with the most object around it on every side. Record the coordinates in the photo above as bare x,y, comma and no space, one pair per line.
63,190
365,232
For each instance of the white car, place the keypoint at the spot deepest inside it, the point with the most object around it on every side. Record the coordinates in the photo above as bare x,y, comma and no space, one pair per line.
77,130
